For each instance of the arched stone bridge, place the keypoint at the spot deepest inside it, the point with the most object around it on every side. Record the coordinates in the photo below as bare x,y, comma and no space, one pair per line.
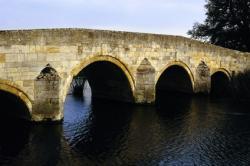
38,65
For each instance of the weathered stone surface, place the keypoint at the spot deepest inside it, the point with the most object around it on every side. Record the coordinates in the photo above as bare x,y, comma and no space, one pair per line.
142,58
145,81
203,78
47,105
2,58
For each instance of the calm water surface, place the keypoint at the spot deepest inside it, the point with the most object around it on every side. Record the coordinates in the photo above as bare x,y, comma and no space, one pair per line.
179,131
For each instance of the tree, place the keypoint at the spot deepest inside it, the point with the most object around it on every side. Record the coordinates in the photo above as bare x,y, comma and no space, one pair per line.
227,24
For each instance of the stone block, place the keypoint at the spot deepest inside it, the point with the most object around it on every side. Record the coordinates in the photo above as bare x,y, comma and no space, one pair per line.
28,83
2,58
41,57
53,50
31,57
11,58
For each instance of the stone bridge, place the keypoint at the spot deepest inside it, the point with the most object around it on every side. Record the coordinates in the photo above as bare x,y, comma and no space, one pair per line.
37,66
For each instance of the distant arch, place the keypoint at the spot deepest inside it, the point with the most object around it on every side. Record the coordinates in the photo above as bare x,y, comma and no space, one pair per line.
180,64
14,89
220,83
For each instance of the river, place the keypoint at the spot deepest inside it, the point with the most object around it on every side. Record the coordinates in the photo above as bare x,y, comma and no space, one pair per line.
180,130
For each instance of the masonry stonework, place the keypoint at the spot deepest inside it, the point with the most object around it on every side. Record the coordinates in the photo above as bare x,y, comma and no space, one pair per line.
142,57
47,99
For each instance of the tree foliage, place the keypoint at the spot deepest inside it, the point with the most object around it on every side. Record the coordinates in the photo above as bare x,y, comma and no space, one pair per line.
227,24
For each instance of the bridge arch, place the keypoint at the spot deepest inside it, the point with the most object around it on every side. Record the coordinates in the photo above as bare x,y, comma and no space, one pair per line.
108,59
220,83
173,79
180,64
15,90
223,70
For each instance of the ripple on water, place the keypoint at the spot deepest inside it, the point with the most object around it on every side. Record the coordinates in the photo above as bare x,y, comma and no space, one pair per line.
190,132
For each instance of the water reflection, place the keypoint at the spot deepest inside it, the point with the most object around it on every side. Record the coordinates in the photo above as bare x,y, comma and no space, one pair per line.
179,131
13,139
100,134
44,147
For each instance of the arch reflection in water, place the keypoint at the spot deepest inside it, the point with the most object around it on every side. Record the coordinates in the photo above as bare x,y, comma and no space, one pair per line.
14,131
193,131
15,136
96,128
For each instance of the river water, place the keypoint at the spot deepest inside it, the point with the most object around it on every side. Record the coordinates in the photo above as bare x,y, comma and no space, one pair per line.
178,131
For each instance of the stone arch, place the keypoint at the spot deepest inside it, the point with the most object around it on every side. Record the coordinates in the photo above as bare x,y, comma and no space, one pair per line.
85,62
177,63
220,83
223,70
14,89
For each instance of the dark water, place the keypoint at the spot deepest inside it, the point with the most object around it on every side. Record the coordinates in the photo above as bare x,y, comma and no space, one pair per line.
181,131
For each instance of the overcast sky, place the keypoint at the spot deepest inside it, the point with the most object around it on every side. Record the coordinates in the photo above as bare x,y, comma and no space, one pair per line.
173,17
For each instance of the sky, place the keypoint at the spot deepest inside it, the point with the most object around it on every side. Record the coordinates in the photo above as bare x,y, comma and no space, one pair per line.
172,17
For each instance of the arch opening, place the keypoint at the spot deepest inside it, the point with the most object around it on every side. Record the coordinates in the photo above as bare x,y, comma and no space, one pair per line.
220,84
13,107
106,80
174,81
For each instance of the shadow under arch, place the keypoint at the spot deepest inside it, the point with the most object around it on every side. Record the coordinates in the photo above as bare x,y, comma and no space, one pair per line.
180,64
116,63
175,81
9,90
220,83
223,70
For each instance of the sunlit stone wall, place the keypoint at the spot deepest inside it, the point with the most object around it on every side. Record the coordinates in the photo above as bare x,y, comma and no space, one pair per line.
142,58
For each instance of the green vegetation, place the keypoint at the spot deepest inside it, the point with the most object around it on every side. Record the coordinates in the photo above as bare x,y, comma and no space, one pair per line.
240,85
227,24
